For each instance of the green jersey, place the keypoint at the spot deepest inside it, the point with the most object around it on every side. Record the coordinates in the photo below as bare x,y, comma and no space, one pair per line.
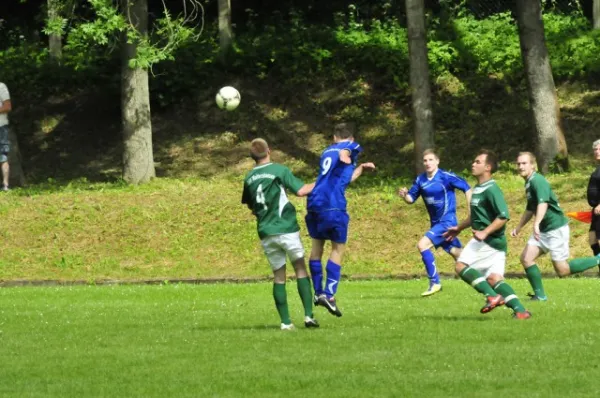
264,193
538,191
488,204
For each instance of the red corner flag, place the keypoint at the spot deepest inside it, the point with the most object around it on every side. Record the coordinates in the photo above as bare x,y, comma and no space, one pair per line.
583,216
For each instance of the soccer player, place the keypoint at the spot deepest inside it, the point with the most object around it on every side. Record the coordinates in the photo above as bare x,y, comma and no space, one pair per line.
264,194
550,229
593,198
437,187
481,263
327,219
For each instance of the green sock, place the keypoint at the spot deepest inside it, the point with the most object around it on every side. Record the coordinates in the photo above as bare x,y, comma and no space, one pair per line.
306,295
581,264
280,296
535,279
475,279
510,298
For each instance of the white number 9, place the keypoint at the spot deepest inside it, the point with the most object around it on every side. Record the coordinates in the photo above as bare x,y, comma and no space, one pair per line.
326,165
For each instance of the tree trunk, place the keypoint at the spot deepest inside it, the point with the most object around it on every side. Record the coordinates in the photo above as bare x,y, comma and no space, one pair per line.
225,30
16,176
419,79
550,140
138,160
596,13
54,40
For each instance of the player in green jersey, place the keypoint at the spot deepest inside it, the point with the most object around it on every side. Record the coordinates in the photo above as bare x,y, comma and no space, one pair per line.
482,261
278,229
550,229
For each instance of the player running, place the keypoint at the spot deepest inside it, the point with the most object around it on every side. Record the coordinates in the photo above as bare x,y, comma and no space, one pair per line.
550,229
327,218
481,263
437,187
278,229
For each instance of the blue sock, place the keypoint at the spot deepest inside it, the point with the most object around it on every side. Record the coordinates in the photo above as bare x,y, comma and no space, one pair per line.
316,274
334,272
430,267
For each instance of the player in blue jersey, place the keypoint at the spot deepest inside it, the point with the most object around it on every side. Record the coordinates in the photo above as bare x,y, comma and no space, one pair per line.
437,187
327,219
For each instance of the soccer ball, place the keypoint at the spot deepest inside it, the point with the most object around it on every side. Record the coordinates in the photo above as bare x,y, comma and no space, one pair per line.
228,98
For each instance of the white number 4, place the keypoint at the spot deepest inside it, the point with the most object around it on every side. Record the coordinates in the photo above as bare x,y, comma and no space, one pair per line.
260,197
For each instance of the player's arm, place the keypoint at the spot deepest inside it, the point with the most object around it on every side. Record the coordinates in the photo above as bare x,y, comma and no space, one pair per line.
540,212
490,229
403,193
305,190
468,195
6,106
522,222
246,199
359,169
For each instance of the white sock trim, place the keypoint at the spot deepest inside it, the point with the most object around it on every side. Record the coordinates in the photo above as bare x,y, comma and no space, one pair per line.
510,297
477,281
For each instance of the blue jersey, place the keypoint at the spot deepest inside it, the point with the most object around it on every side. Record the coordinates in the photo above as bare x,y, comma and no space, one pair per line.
438,194
334,177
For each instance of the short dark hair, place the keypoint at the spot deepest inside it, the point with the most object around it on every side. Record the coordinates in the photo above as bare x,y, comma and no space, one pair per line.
490,159
259,149
344,130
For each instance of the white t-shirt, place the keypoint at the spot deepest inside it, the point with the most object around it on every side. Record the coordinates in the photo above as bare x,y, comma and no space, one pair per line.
4,96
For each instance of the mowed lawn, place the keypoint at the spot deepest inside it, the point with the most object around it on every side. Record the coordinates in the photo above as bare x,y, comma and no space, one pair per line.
223,340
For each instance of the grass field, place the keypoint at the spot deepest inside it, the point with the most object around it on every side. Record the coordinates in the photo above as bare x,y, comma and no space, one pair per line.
222,340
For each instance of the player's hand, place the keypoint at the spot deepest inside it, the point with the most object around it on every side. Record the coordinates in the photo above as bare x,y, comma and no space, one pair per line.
480,235
515,232
597,210
368,166
536,231
451,233
402,192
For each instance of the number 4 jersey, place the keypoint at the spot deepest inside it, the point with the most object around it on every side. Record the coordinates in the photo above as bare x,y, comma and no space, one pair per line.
334,177
264,193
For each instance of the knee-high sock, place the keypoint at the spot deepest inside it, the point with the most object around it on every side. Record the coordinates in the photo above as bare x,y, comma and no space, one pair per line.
280,296
334,272
305,295
581,264
535,280
316,274
479,283
595,248
510,298
430,268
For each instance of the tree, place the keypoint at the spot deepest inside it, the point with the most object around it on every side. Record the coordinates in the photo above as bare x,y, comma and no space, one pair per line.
419,79
129,25
138,158
550,141
225,30
596,13
56,23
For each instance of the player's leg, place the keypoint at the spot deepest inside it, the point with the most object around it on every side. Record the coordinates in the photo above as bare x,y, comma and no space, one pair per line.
295,251
594,234
467,267
313,224
424,246
277,257
530,253
511,300
5,170
558,245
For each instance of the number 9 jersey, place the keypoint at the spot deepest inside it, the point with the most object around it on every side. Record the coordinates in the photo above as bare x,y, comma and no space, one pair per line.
334,176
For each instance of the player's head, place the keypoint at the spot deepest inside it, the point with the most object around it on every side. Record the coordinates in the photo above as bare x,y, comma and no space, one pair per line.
526,164
344,131
485,163
431,161
259,150
596,148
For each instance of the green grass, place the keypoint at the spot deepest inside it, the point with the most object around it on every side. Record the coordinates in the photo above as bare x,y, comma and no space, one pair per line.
195,228
222,340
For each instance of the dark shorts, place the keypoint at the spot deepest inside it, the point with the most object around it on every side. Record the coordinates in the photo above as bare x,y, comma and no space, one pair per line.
4,144
595,225
435,234
328,225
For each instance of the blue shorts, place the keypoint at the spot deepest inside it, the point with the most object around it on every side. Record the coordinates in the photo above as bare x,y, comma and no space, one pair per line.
328,225
436,232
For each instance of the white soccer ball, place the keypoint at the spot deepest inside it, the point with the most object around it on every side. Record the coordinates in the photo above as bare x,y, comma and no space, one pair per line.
228,98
